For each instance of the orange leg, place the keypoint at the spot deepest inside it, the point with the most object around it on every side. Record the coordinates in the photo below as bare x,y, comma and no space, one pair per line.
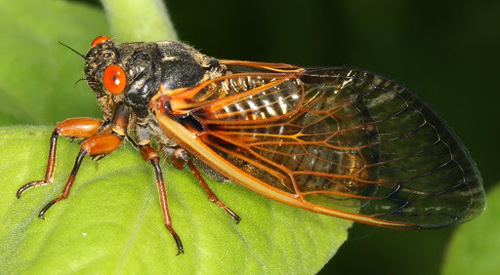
179,160
73,128
99,145
150,155
100,139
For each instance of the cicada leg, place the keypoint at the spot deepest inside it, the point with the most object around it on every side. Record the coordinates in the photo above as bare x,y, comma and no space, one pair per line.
150,155
73,128
98,145
98,142
180,158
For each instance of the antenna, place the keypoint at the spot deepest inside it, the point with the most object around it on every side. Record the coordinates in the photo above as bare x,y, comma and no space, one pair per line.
75,51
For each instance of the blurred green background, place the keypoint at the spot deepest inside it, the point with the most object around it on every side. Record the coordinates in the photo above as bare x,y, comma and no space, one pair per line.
446,52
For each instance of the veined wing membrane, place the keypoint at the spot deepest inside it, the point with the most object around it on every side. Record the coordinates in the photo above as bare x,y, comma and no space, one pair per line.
343,139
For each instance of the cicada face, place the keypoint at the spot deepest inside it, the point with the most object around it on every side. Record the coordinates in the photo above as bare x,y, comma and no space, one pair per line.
337,141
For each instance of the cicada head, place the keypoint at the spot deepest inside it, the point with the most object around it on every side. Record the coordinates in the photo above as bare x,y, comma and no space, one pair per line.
102,54
133,73
104,73
128,73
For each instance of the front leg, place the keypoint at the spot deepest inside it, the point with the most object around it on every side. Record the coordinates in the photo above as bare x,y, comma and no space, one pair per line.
99,145
72,128
99,142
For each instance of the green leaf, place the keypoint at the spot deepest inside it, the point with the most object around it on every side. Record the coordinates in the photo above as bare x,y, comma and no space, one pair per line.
37,74
475,247
112,221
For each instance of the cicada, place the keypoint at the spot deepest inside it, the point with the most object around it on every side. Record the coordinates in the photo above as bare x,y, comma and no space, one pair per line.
336,141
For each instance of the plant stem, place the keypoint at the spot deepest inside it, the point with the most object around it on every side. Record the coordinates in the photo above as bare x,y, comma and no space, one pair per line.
132,20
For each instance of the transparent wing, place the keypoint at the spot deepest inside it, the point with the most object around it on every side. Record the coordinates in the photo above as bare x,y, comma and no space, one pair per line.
339,138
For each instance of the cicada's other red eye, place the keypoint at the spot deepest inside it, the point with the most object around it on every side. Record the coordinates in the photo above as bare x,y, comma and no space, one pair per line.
114,79
99,40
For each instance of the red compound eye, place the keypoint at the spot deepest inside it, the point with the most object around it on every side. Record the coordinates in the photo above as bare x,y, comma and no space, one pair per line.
100,40
114,79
